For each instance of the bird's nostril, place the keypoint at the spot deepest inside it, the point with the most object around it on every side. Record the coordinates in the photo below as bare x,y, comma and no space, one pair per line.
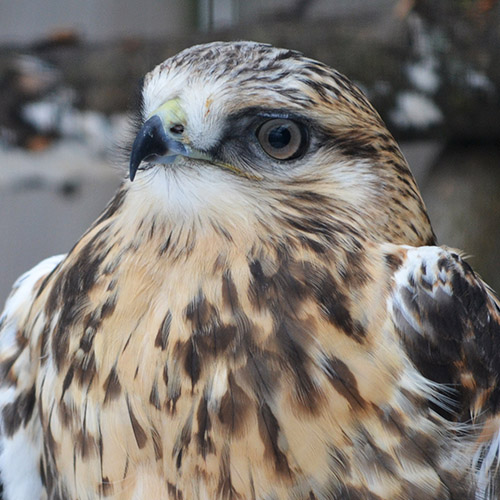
177,129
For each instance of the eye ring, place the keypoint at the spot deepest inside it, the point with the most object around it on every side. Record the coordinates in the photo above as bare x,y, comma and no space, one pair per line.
282,139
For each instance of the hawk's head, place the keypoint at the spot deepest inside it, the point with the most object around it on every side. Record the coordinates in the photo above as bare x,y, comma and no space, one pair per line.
245,134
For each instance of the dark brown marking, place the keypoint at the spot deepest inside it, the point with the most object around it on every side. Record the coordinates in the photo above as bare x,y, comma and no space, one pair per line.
70,291
127,342
51,447
5,367
112,284
339,461
174,394
163,332
125,469
67,413
178,460
313,226
311,197
225,488
392,419
46,280
252,486
262,372
106,487
229,293
85,369
421,491
348,492
356,145
85,444
44,343
165,246
284,289
192,363
67,380
200,312
182,441
356,274
157,444
210,336
294,281
312,244
60,493
108,307
290,335
18,412
320,90
173,492
259,286
165,373
234,407
112,387
203,439
113,206
41,468
344,382
224,337
154,396
21,340
87,340
269,430
60,347
140,435
215,340
418,446
334,304
152,229
379,460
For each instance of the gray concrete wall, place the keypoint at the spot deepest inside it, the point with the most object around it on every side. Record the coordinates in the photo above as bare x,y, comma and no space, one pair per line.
47,201
24,21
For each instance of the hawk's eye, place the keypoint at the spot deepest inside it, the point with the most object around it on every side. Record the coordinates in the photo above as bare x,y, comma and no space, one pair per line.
282,139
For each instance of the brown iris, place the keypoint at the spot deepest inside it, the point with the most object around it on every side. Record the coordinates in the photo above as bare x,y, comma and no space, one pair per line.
281,139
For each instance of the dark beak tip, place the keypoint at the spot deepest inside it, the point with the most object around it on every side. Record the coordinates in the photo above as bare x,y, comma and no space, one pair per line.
135,159
151,140
132,171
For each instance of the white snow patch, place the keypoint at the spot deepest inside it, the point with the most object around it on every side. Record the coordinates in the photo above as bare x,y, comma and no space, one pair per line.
423,75
415,110
480,81
46,114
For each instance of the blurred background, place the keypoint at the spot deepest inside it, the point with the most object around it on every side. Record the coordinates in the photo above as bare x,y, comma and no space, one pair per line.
69,71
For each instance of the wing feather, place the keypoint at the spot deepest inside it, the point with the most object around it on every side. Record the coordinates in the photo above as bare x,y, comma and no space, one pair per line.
20,438
449,322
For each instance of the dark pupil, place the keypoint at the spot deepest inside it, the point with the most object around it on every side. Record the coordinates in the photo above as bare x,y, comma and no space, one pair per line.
279,137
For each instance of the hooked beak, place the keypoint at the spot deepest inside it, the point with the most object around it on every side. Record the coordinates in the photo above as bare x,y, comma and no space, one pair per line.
153,143
161,138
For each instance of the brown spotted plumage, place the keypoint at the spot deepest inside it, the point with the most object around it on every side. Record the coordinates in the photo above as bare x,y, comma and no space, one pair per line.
260,314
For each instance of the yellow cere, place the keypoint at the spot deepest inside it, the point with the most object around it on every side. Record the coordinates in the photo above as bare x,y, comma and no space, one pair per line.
171,113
